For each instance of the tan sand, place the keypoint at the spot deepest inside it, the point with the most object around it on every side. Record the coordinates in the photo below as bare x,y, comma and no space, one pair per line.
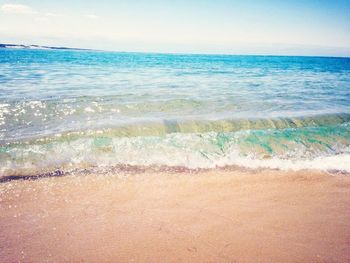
213,216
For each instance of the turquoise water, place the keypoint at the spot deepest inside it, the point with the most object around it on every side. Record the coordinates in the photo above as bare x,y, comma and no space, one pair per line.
79,109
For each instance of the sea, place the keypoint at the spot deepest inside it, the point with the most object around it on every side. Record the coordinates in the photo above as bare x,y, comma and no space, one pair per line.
70,110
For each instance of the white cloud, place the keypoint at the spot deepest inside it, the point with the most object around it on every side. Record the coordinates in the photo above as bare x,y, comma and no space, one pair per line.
51,15
91,16
20,9
17,9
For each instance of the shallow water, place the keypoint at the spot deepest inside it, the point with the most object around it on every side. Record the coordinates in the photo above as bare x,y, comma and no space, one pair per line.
79,109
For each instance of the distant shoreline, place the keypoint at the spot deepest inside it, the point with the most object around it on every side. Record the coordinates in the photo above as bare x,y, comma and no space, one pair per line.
16,46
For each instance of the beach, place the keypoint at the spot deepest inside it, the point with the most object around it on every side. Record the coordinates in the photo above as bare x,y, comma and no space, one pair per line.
152,157
213,215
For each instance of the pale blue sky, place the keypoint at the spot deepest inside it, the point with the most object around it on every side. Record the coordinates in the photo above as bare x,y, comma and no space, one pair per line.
289,27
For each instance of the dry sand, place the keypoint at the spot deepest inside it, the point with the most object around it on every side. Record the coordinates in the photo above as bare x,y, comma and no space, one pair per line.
212,216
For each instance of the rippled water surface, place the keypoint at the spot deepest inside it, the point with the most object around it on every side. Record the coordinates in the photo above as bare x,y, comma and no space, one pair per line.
73,109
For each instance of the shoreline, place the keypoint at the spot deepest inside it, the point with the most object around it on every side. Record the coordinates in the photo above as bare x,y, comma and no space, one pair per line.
218,215
130,170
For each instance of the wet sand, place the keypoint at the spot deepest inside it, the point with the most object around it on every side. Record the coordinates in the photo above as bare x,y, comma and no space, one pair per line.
210,216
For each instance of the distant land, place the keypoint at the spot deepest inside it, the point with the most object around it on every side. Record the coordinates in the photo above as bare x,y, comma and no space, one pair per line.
37,47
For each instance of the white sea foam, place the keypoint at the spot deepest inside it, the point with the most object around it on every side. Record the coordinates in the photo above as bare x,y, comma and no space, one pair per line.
89,109
339,162
192,151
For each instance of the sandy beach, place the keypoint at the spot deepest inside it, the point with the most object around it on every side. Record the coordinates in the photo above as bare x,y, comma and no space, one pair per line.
211,216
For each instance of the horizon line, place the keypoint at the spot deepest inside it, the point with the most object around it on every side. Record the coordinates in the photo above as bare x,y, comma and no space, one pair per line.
65,48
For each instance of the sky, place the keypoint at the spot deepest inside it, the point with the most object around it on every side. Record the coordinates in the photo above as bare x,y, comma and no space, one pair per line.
266,27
